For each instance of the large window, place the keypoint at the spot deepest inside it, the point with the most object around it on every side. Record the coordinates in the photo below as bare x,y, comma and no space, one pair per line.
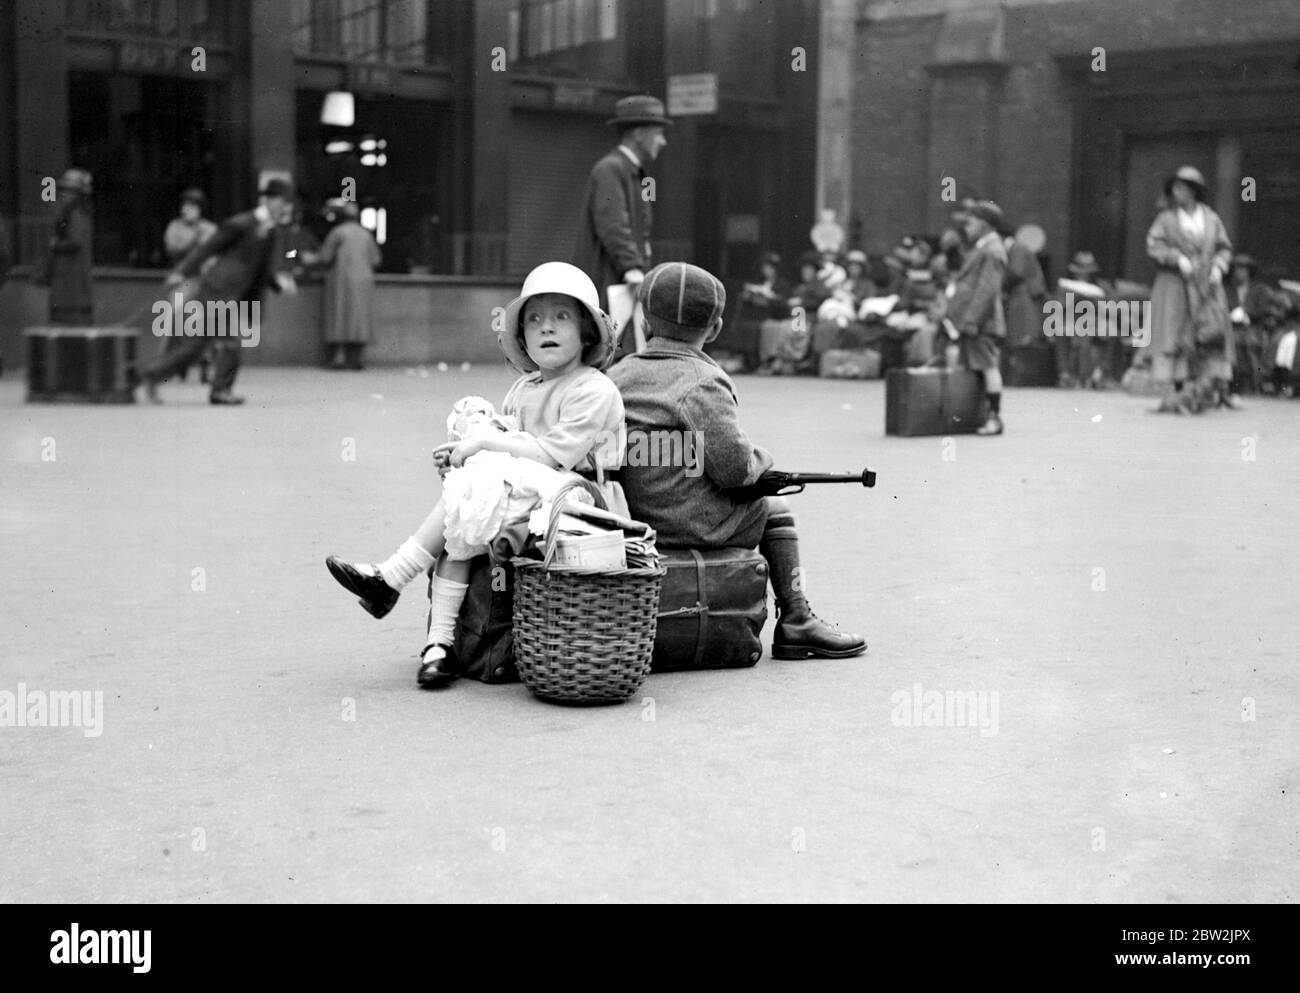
192,21
145,139
539,27
411,32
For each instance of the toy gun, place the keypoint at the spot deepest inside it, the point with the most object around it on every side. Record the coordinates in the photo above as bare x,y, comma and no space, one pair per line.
776,483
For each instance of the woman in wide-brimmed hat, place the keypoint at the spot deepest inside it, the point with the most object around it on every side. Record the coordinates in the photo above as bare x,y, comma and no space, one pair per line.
762,298
1192,252
66,269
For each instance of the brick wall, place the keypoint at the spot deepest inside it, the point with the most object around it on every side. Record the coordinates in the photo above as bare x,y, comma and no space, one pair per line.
900,137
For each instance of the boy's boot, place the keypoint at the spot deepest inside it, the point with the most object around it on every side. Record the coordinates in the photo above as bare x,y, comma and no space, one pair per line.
800,633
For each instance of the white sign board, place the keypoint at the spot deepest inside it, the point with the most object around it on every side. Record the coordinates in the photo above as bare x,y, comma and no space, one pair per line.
693,93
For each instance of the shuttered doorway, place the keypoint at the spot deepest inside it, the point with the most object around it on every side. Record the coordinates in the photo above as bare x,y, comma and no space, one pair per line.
550,157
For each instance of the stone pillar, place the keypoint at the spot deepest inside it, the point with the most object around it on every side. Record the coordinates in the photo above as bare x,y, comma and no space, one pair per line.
838,37
674,207
481,125
963,138
966,73
271,91
41,113
1227,183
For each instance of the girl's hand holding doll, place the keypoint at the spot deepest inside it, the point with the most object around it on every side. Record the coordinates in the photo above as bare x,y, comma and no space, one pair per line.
452,454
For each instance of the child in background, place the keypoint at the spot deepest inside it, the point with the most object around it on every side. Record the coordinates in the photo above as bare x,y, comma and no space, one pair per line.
975,316
568,413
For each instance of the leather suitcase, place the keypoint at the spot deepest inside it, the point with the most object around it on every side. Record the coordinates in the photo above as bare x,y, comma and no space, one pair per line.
485,640
838,363
933,401
85,364
712,608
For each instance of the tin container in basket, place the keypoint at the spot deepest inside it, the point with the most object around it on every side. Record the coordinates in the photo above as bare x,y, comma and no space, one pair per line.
590,551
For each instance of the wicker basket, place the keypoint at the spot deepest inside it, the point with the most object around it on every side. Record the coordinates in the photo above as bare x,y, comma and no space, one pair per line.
583,637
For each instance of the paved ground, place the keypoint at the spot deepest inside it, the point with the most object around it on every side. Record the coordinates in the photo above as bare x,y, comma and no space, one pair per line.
1124,583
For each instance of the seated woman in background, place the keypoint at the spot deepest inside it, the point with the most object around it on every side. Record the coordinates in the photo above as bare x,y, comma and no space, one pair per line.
785,346
840,309
763,298
1282,324
1248,300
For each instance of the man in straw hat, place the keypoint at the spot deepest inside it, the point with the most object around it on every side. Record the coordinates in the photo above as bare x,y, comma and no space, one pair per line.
674,386
613,242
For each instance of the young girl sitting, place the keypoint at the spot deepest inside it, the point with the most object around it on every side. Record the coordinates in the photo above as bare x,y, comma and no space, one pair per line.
570,417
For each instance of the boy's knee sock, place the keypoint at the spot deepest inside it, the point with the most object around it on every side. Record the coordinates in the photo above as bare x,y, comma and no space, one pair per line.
405,564
445,601
780,546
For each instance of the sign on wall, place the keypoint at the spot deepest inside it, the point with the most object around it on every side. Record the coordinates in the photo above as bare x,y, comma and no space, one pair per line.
693,93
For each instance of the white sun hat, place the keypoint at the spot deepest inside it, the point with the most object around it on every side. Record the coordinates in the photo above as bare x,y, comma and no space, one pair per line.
557,277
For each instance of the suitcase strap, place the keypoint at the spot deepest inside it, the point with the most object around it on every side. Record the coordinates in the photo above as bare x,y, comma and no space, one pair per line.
700,610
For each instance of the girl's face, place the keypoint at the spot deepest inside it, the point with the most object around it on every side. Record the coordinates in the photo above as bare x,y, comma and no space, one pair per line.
1182,194
553,333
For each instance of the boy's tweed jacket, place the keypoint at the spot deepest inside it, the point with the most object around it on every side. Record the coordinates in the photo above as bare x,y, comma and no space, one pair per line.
673,386
976,304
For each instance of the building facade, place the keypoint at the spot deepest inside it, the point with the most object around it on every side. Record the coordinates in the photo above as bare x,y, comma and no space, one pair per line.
475,121
1070,113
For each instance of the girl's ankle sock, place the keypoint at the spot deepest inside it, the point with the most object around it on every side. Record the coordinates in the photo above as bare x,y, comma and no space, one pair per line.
409,561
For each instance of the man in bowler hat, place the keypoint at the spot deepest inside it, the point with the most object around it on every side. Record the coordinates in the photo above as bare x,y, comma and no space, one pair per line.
244,247
613,243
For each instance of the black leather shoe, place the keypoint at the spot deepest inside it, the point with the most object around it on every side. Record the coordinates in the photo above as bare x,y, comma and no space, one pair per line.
439,673
225,399
376,595
808,636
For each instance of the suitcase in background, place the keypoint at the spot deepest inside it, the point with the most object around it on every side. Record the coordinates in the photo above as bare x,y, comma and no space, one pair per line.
839,363
933,401
85,364
712,608
1029,365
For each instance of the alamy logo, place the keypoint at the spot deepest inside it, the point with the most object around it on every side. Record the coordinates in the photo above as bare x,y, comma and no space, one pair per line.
77,947
181,318
1088,318
54,708
945,709
655,448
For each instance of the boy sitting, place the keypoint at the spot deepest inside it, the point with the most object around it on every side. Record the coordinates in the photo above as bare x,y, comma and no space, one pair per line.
673,386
